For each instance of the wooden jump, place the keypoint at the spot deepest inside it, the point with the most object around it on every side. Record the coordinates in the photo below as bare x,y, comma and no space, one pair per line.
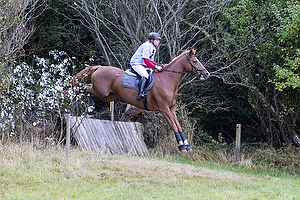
110,137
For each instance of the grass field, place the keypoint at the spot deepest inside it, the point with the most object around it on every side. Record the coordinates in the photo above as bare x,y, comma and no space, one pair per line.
30,173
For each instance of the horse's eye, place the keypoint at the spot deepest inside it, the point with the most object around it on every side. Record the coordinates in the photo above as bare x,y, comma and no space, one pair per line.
195,61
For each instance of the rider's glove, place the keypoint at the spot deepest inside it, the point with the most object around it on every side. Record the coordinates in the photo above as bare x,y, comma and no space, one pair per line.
158,67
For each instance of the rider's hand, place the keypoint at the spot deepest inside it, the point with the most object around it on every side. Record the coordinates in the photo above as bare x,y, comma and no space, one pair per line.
158,67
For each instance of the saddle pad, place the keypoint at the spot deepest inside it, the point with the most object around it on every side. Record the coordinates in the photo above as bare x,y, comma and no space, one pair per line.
132,81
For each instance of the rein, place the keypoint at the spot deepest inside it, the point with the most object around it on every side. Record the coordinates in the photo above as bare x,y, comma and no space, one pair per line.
178,72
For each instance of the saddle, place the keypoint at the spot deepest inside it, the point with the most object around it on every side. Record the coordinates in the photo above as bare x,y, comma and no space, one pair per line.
131,80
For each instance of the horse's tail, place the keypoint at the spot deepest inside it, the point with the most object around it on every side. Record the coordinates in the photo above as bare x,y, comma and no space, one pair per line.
83,78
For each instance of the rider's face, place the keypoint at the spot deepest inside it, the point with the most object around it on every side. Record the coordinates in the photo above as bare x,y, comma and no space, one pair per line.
156,42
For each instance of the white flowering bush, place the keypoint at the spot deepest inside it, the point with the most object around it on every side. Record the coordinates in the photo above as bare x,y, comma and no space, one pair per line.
36,92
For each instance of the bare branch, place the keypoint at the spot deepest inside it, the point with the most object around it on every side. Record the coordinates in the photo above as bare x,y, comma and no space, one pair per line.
15,30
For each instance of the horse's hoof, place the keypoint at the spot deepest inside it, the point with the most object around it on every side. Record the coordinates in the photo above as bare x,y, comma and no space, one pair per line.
184,151
182,148
189,148
90,109
91,112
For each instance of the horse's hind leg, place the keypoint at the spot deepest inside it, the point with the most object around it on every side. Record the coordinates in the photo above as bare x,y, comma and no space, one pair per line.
91,106
91,95
109,98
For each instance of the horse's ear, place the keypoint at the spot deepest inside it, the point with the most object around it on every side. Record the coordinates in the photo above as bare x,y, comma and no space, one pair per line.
192,52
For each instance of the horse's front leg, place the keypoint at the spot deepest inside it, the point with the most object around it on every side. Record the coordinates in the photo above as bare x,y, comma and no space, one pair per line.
172,120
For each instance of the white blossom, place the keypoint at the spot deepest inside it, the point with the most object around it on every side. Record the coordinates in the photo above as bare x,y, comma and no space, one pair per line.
37,88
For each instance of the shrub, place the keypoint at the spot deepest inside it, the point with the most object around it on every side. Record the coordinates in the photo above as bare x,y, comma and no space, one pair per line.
37,94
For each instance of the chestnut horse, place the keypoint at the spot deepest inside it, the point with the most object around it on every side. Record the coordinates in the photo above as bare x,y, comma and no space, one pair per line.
107,86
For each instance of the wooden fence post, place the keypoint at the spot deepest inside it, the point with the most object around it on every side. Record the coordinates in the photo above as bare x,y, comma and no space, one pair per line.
238,142
68,127
112,108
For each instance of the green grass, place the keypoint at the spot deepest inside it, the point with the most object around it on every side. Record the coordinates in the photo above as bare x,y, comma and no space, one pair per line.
30,173
235,167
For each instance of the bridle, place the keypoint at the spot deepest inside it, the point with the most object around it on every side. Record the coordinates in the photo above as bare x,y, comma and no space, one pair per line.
197,71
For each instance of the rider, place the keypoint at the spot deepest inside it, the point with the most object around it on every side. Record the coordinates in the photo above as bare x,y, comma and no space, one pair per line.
143,59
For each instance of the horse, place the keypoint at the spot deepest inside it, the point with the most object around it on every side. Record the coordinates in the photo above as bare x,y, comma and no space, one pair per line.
107,86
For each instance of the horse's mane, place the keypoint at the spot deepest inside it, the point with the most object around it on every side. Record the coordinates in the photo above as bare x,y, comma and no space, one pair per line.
190,52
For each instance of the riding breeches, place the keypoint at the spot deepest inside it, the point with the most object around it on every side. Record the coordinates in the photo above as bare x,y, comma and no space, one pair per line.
141,70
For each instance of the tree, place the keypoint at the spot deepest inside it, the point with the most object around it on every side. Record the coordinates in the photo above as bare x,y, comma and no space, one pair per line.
121,26
15,30
58,28
287,35
259,38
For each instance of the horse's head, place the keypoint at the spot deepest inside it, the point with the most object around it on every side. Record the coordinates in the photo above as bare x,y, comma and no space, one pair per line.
196,66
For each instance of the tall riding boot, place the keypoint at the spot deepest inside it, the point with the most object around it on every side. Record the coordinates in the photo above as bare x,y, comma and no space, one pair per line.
142,94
